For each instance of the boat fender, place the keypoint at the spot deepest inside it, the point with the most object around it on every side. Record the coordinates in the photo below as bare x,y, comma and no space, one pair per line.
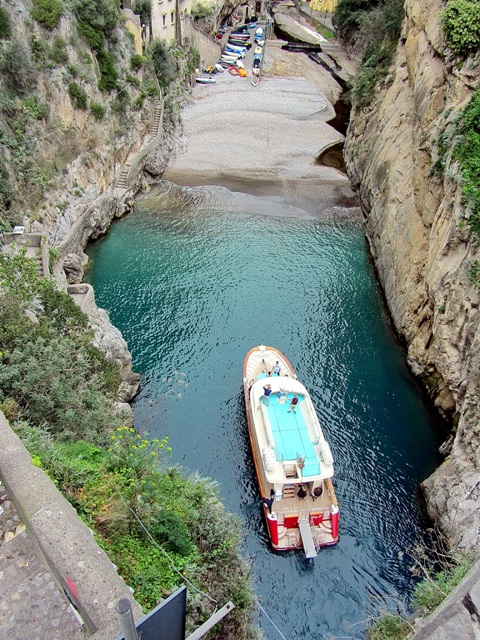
334,516
269,459
325,452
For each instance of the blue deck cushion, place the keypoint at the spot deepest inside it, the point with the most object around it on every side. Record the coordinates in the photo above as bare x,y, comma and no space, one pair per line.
291,435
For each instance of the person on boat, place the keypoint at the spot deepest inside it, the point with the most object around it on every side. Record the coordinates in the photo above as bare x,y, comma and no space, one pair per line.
268,502
267,390
293,405
301,493
277,368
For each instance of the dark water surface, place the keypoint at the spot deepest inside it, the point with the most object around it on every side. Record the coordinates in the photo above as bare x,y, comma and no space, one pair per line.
194,278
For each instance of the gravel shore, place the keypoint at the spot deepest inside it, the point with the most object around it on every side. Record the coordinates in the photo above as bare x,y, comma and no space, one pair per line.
263,139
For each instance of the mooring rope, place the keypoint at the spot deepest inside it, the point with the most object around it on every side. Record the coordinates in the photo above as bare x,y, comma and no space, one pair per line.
166,554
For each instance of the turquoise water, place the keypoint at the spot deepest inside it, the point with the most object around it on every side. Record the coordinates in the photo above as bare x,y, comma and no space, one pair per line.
196,277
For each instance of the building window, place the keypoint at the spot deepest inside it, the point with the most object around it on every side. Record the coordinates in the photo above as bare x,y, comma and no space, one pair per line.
164,18
172,17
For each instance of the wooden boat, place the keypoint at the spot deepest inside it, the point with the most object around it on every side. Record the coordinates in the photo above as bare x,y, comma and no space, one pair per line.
293,461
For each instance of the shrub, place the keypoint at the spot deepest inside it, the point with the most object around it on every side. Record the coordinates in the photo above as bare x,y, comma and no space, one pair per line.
136,61
108,73
73,70
389,626
474,273
97,110
58,52
47,12
132,80
36,109
430,593
77,95
96,20
467,152
5,26
162,63
17,68
150,88
375,28
39,49
6,189
461,22
201,11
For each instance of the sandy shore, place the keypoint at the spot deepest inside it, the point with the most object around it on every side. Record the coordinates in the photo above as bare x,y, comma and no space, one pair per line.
265,139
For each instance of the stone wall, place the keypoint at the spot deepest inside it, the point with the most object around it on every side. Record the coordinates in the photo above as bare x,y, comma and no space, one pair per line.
65,543
422,246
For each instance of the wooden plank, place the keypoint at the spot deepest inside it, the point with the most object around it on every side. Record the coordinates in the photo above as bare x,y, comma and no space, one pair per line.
307,539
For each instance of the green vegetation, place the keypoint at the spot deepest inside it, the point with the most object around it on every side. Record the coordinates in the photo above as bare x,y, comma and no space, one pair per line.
461,22
59,392
325,32
136,62
162,62
96,20
108,73
17,67
144,8
5,26
474,273
390,626
78,96
467,152
430,593
58,51
375,26
97,110
201,11
47,12
440,577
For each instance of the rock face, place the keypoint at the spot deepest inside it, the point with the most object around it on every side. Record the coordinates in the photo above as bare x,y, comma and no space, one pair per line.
422,246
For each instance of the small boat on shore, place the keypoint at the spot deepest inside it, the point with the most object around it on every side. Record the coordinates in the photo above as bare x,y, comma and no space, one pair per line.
292,459
205,80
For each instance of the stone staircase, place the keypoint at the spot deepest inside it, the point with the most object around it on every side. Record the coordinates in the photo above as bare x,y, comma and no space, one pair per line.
157,118
122,182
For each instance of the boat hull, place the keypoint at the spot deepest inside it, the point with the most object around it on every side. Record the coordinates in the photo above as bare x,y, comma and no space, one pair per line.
296,521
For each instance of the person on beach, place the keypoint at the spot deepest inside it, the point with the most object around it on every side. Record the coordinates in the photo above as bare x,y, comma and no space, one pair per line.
293,405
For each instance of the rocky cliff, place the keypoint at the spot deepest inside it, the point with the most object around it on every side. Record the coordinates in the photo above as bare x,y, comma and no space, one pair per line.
422,245
68,123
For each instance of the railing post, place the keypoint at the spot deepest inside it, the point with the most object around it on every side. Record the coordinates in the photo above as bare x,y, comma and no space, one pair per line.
125,615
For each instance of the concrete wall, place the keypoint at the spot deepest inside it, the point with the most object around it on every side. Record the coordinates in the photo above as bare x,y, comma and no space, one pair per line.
208,48
63,540
133,24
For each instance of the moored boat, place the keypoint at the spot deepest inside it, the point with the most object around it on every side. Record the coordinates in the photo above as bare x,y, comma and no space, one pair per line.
293,461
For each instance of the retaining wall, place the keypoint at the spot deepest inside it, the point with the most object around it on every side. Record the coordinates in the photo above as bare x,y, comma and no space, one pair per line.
66,544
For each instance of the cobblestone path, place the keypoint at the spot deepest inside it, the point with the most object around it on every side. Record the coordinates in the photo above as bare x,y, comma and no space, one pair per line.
32,606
